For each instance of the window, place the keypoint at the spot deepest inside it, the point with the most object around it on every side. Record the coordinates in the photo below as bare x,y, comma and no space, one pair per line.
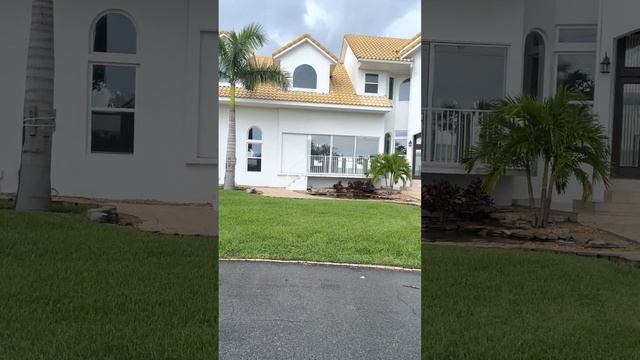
366,146
115,33
387,143
112,108
577,35
401,142
113,86
371,83
304,76
405,90
533,66
576,71
632,51
466,76
391,80
254,150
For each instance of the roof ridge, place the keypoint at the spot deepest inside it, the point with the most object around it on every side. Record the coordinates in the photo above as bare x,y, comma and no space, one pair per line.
298,39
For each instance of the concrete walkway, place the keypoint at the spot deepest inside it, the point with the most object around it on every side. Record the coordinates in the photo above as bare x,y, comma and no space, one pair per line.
172,219
294,311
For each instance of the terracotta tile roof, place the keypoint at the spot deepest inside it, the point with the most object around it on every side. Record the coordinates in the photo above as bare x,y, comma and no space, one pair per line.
295,41
341,92
368,47
411,43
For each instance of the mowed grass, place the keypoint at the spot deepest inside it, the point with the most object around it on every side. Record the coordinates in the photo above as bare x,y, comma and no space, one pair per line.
71,289
506,304
343,231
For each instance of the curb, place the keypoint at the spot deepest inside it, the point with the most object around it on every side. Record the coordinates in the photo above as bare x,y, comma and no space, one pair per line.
303,262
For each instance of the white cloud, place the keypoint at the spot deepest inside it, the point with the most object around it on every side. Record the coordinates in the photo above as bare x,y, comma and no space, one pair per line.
405,26
315,16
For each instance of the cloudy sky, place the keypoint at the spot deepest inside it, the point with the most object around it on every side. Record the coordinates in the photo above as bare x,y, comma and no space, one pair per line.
325,20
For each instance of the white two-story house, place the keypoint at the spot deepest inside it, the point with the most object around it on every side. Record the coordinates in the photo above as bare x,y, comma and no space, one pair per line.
510,47
338,113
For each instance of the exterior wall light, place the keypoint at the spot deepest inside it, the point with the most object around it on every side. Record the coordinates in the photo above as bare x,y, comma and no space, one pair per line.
605,64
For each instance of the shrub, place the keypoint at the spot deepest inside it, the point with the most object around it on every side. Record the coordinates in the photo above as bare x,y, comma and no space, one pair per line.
446,200
359,186
475,203
338,187
440,198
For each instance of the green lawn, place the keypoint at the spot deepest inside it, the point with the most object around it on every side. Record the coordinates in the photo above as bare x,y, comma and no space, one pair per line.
71,289
346,231
506,304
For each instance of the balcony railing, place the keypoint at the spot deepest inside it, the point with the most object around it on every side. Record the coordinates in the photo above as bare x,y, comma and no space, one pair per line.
338,165
449,134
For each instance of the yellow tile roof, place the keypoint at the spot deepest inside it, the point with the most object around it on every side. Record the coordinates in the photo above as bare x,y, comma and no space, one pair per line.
341,92
411,43
368,47
295,41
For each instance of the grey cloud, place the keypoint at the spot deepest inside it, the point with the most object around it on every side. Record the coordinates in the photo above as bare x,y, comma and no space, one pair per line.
283,20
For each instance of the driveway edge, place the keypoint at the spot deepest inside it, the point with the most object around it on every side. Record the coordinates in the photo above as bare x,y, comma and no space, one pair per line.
303,262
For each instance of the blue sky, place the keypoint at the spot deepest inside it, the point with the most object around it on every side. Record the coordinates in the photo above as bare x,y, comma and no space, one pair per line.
325,20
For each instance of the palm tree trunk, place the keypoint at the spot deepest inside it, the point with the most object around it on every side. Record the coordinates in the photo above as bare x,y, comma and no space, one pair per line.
547,202
230,163
543,195
532,200
34,184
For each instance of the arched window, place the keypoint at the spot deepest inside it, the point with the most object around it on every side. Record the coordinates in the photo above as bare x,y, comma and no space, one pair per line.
405,90
304,76
533,65
115,33
254,150
113,84
387,143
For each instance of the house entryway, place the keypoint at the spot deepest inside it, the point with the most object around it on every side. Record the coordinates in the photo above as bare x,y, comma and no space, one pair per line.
619,211
626,123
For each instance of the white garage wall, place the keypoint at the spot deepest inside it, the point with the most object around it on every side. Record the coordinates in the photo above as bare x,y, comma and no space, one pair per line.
274,122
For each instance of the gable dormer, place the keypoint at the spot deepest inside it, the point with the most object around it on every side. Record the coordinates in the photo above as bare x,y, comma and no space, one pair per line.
309,63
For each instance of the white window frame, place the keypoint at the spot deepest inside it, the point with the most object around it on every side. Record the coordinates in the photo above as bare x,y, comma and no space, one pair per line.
111,59
432,63
556,57
400,88
369,83
256,142
577,46
314,89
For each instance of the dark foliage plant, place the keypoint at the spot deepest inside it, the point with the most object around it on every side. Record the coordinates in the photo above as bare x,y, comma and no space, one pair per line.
450,200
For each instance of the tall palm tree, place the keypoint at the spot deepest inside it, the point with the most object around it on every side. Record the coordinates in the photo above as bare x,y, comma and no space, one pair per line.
34,185
238,65
561,132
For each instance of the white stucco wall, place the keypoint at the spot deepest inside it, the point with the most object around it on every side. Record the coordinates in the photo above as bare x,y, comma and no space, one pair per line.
167,101
276,121
307,53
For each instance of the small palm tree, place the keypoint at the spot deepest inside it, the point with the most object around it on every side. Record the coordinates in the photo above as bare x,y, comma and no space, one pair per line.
34,184
561,132
238,65
392,167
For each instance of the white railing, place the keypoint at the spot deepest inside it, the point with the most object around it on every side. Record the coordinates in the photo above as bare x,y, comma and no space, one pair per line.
338,165
449,134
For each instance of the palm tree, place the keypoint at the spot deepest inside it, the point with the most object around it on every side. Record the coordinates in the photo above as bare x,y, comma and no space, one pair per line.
561,132
238,65
392,167
34,185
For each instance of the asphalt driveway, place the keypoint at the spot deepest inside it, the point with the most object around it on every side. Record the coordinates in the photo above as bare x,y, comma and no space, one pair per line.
294,311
